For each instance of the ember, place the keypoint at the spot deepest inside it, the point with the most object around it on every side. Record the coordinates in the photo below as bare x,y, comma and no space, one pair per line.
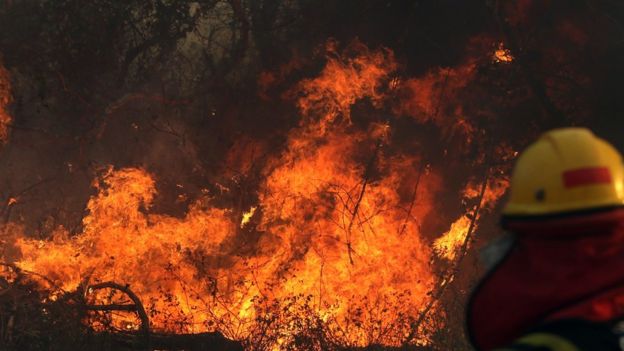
502,55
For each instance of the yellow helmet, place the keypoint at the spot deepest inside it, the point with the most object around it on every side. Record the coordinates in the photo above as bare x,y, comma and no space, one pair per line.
566,170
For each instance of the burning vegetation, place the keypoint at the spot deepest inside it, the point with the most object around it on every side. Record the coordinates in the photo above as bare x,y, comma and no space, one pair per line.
210,190
334,234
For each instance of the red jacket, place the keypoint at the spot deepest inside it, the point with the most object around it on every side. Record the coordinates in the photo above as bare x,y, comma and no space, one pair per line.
566,267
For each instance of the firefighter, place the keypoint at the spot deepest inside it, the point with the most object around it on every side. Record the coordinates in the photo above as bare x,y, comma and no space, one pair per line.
560,285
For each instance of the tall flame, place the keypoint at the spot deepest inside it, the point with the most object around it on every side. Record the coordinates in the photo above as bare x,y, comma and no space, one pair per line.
344,81
335,234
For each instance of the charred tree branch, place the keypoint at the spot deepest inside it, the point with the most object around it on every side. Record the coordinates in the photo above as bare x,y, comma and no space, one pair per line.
537,87
354,213
137,306
241,47
450,275
413,199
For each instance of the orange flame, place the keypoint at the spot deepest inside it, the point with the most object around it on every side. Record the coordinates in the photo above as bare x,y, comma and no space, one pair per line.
343,81
247,216
325,230
502,55
449,243
424,97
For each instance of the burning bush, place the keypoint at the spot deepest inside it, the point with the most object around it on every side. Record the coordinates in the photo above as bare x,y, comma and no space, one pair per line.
202,161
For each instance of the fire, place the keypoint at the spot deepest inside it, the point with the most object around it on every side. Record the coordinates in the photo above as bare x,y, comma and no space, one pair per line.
247,216
5,100
174,264
450,242
151,253
344,81
448,245
502,55
427,98
335,239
